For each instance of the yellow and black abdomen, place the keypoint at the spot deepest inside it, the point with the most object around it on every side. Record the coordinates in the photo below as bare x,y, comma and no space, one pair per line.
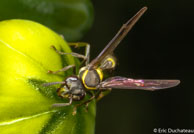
108,63
90,78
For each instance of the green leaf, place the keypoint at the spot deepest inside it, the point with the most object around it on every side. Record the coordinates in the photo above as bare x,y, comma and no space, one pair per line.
71,18
25,57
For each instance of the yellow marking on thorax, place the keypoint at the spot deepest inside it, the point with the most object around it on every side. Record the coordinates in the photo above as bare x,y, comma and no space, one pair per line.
100,73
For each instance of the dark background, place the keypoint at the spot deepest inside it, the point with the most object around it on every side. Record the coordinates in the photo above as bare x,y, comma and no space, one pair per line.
159,46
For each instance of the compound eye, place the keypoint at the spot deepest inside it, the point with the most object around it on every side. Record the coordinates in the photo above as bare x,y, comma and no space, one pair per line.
70,80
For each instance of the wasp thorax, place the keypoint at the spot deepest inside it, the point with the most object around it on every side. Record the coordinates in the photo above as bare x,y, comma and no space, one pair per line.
90,78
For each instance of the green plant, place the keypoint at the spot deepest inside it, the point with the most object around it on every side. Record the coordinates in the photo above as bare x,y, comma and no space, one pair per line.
25,58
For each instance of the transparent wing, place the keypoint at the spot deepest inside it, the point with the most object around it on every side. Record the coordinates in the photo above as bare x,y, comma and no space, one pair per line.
144,84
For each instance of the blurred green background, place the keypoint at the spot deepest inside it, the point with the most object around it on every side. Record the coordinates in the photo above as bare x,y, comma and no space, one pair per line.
71,18
159,46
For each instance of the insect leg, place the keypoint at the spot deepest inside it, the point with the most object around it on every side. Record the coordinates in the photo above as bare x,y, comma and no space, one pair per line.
85,57
72,53
93,96
87,50
52,83
103,93
61,70
63,104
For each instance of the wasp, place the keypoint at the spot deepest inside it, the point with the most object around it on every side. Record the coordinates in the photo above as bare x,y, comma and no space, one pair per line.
90,77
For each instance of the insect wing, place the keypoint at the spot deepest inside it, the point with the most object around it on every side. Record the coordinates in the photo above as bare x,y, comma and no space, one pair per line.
117,38
144,84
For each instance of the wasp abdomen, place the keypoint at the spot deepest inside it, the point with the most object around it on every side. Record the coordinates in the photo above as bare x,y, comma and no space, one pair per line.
108,63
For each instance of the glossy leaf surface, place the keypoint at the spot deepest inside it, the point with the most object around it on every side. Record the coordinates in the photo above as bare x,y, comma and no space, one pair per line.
25,58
